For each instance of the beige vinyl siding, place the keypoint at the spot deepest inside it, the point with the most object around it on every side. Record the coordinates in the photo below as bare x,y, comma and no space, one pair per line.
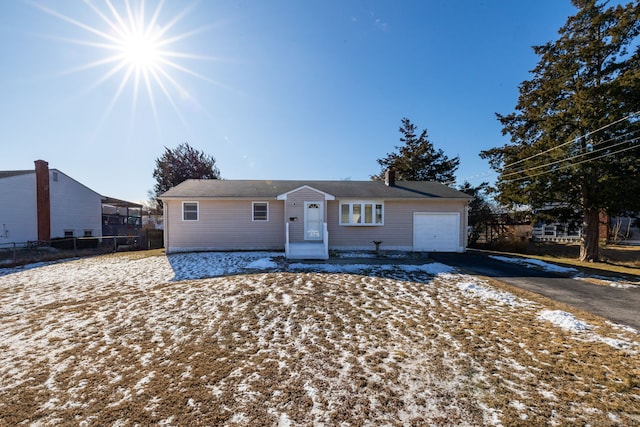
397,231
225,225
295,209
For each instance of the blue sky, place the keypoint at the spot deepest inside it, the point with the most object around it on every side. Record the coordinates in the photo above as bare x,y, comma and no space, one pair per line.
272,89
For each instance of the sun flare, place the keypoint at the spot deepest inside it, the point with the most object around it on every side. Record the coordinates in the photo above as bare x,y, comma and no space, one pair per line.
139,48
141,52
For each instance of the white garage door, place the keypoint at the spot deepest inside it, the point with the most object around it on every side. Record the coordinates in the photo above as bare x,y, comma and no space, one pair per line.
436,232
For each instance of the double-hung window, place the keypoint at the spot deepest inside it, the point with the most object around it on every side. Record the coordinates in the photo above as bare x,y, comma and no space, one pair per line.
190,211
361,213
260,211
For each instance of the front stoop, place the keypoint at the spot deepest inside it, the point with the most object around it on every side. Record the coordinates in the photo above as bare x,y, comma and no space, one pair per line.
307,251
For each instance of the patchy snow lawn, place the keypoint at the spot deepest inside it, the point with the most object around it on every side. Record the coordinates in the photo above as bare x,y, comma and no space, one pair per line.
246,339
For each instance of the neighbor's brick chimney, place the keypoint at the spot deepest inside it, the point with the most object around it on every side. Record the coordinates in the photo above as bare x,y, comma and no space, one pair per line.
43,200
390,177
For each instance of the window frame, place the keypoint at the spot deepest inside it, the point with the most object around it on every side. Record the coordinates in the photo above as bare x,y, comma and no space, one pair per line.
253,212
361,207
197,211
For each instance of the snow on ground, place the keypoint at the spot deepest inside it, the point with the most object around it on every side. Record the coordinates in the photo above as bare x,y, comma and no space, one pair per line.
530,262
569,322
536,263
471,285
246,338
564,320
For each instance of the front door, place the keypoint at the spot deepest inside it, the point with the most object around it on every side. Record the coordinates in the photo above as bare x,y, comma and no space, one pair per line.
313,220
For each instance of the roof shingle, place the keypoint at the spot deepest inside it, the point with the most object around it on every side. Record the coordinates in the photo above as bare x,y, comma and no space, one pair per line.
252,189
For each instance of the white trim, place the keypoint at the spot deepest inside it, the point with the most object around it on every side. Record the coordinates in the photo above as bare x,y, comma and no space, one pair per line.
286,239
184,202
165,226
253,212
284,196
362,203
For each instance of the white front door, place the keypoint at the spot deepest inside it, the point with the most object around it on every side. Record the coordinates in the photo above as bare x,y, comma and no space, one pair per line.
313,220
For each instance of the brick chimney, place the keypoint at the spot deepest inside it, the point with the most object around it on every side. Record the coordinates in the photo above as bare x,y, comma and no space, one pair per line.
390,177
43,200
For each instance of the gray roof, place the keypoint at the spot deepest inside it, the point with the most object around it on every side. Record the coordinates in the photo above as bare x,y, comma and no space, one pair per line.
106,200
8,174
254,189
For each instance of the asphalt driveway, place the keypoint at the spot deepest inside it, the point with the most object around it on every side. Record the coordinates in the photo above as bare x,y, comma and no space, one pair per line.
620,305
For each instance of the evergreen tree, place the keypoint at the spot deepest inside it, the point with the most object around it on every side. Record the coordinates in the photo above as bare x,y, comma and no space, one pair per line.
574,132
179,164
480,209
417,159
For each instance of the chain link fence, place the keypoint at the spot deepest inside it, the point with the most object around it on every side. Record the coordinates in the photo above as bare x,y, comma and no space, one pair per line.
19,253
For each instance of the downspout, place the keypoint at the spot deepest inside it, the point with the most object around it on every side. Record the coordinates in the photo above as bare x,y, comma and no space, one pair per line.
165,226
326,240
286,239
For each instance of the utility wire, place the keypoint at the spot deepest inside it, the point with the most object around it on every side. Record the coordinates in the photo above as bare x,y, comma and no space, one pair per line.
571,140
492,172
578,155
572,164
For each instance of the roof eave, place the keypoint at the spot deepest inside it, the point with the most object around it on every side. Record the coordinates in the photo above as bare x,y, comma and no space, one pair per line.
278,198
187,197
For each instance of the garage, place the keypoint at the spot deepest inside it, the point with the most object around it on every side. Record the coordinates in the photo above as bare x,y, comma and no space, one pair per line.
436,231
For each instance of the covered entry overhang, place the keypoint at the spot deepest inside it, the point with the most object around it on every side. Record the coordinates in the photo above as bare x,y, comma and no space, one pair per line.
306,233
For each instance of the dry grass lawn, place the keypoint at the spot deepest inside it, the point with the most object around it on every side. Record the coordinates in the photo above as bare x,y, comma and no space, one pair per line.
615,258
122,341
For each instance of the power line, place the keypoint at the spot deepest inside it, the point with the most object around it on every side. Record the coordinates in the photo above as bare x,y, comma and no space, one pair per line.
574,164
571,140
477,176
578,155
492,172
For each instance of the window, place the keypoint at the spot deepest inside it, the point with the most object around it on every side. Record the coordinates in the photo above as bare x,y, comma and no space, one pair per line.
55,176
190,211
361,213
68,233
260,211
88,233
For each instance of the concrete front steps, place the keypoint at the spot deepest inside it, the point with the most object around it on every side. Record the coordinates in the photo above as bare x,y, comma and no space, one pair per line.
307,251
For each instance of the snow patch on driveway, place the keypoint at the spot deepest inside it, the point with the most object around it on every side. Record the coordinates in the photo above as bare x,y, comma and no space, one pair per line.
530,262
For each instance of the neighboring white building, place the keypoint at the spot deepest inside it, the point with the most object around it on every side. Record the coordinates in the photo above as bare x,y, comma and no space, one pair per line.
45,203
